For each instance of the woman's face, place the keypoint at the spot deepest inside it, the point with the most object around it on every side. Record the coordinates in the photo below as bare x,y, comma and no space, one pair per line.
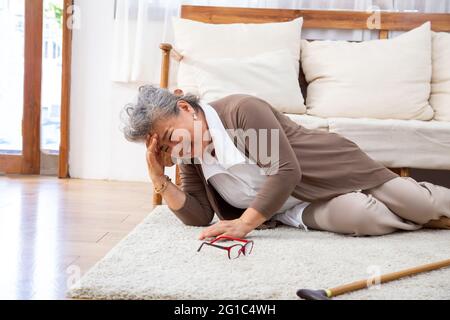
181,136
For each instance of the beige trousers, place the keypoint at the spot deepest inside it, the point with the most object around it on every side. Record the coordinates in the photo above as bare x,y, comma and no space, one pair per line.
399,204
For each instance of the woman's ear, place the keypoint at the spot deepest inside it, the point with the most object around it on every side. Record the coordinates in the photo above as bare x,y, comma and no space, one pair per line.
184,106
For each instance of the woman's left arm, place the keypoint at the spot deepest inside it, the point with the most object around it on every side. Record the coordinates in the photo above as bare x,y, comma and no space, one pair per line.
285,172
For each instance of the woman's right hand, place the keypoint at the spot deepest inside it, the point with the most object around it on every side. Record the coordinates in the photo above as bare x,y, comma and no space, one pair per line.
154,156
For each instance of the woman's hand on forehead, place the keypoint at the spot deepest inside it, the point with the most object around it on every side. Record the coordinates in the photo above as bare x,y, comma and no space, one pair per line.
160,145
149,138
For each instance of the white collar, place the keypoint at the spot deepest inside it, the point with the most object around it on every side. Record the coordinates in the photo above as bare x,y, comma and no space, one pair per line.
226,152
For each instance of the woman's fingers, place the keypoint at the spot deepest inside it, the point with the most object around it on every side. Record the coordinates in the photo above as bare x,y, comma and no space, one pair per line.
153,143
213,231
149,138
149,149
152,151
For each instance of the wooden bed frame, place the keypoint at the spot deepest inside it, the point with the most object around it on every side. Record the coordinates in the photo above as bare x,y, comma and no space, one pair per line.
312,19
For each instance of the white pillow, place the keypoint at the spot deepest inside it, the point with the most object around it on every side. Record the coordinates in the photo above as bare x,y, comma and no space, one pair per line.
270,76
197,40
383,79
440,79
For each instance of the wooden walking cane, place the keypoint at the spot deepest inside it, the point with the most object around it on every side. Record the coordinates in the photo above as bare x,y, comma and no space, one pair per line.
326,294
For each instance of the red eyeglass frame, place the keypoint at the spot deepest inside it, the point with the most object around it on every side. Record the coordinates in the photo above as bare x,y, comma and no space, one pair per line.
242,250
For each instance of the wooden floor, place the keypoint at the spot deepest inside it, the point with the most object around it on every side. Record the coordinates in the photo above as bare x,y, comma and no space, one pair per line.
52,231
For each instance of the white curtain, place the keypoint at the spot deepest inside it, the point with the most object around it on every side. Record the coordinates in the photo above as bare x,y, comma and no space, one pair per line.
141,25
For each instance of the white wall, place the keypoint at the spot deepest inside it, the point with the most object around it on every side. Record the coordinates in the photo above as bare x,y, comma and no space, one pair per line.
97,147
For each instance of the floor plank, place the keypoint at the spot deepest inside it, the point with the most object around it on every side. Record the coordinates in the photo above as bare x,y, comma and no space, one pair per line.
52,231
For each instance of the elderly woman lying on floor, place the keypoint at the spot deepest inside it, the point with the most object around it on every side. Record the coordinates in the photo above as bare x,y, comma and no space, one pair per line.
253,166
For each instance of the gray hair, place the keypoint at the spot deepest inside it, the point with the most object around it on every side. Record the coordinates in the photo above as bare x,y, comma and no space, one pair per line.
153,104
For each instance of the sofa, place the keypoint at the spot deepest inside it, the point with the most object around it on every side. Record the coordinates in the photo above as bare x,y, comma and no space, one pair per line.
390,96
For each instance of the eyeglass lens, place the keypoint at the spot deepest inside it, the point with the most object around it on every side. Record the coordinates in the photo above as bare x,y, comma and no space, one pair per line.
235,251
248,248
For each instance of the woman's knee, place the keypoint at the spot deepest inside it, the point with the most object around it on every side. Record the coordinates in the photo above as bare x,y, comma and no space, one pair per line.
363,215
421,194
409,199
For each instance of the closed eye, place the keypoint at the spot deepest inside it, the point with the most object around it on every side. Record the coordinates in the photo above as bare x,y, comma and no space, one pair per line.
163,148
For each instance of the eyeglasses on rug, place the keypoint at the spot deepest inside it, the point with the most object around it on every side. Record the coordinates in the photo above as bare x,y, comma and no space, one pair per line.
235,250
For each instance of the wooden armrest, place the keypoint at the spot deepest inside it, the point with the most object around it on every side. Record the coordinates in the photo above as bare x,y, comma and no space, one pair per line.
167,47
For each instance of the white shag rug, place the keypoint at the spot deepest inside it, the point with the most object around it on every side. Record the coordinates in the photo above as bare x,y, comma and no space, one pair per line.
159,260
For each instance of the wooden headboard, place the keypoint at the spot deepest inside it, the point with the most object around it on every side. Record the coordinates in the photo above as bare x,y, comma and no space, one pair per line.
383,22
320,19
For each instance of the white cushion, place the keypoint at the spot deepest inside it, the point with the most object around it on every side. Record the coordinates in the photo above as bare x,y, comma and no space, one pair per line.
309,122
384,79
399,143
440,79
197,41
270,76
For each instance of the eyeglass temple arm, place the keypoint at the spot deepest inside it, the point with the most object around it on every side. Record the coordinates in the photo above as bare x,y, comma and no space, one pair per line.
230,238
211,244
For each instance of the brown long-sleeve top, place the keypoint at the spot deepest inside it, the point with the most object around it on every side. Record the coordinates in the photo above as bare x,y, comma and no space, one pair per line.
312,164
